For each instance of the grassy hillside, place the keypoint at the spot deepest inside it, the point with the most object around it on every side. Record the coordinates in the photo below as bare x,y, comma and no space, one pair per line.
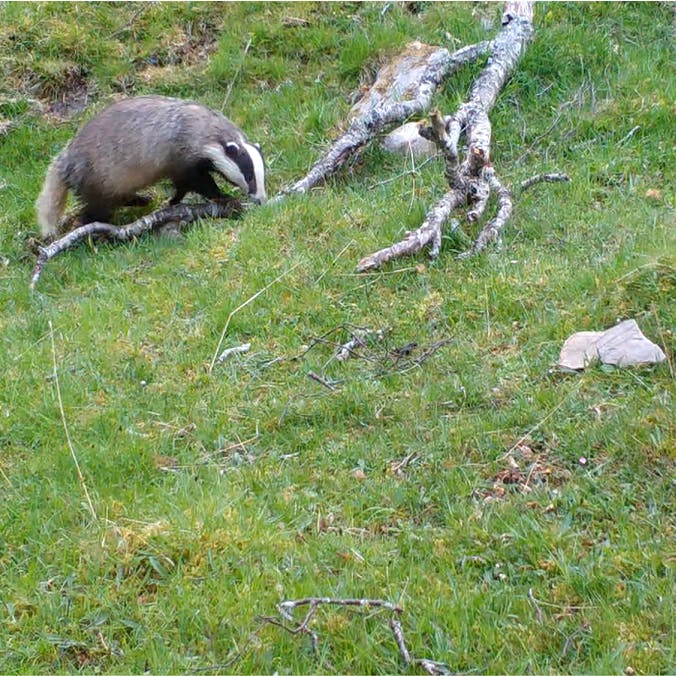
218,495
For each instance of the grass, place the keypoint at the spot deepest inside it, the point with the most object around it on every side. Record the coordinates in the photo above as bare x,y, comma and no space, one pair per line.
219,495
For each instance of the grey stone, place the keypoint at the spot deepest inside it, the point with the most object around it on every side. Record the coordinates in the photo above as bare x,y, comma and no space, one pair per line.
580,350
406,140
625,345
620,345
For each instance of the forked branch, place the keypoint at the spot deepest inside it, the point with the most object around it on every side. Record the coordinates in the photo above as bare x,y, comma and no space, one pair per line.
403,88
295,627
473,180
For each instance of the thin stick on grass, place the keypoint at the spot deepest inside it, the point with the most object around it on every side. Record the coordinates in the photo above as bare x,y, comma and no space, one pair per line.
538,611
286,609
65,426
241,307
318,379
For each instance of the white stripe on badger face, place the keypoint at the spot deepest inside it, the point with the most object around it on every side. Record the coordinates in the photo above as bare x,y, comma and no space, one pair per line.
259,172
226,166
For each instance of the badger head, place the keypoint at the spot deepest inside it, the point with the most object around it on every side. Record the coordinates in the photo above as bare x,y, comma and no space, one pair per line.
242,165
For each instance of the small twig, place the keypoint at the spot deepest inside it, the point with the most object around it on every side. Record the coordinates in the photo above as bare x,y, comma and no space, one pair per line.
539,178
397,467
286,609
317,378
237,349
241,307
347,349
629,135
65,426
236,75
538,611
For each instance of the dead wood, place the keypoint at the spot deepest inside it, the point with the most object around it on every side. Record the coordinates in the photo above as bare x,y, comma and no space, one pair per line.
403,88
295,627
180,213
473,179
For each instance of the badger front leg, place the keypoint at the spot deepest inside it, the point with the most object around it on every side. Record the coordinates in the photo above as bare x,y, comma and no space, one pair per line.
201,182
137,200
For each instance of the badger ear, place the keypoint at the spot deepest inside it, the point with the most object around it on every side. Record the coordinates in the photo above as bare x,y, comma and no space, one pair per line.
232,150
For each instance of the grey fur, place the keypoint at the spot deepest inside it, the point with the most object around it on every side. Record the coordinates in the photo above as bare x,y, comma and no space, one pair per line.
136,142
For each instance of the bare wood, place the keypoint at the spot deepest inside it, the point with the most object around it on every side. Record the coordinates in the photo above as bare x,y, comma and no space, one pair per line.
288,606
546,178
180,213
403,88
286,609
472,180
322,381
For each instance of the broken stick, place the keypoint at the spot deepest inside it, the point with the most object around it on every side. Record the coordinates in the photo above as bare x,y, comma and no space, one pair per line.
180,213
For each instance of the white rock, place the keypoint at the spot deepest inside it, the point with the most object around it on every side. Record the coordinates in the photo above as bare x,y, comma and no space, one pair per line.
580,350
625,345
405,140
621,345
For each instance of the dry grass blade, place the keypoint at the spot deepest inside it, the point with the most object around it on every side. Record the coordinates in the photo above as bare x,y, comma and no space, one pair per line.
80,476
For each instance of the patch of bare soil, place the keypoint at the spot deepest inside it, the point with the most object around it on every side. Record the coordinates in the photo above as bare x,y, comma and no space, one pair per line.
193,45
72,97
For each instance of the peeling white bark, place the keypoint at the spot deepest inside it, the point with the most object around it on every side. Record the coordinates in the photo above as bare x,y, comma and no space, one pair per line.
180,213
472,180
403,88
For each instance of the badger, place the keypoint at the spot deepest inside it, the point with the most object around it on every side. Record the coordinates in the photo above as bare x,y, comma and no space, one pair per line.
136,142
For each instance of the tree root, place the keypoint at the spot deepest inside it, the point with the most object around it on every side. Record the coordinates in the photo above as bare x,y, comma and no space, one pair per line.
180,213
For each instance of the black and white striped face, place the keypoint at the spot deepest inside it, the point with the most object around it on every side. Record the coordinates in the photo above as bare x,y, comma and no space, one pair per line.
242,164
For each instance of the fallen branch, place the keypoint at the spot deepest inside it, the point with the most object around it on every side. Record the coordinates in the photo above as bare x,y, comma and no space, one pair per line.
540,178
237,349
472,180
180,213
322,381
403,88
286,609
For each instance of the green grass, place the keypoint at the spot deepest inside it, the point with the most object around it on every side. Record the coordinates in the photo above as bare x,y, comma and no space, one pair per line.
281,488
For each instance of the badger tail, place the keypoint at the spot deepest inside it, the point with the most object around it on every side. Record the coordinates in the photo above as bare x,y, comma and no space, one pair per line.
51,203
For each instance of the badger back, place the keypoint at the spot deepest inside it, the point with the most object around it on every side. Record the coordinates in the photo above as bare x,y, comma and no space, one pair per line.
129,145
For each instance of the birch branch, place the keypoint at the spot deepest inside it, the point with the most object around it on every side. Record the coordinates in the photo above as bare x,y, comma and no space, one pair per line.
295,627
472,180
403,88
180,213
